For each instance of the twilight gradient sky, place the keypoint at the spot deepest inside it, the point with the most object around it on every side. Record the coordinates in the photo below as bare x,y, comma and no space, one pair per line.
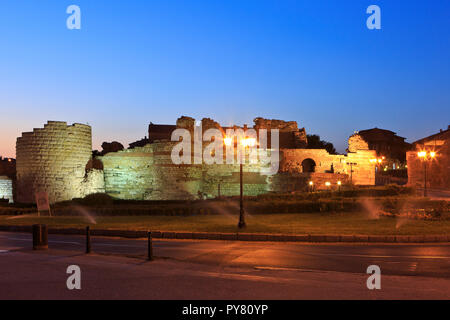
232,60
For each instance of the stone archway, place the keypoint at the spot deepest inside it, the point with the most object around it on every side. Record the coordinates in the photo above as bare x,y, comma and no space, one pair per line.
308,165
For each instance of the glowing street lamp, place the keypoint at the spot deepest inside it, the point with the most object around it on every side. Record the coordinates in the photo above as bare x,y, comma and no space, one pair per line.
339,183
246,142
424,156
377,162
311,184
228,141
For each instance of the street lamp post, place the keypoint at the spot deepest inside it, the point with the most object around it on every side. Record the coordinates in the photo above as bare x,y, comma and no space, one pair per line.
242,223
377,162
246,142
425,179
425,156
351,164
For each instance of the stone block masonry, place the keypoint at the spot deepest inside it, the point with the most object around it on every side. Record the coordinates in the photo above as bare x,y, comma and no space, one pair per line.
355,165
6,188
58,159
54,159
147,173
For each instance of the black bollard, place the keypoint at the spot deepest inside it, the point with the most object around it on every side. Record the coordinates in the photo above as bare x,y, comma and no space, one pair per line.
40,237
88,240
150,247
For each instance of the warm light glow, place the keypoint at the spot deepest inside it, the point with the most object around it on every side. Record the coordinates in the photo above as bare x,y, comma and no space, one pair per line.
311,183
248,142
327,184
339,183
228,141
424,154
379,160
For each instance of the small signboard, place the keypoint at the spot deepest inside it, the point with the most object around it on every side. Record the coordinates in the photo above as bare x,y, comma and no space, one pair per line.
42,203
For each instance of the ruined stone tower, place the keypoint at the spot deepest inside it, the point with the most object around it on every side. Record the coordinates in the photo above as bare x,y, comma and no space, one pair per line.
53,159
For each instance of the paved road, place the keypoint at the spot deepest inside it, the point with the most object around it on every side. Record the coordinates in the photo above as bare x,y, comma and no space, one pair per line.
186,269
436,194
394,259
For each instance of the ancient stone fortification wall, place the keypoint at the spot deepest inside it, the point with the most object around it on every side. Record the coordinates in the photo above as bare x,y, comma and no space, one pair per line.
356,142
129,173
291,160
148,173
53,159
227,177
6,188
363,171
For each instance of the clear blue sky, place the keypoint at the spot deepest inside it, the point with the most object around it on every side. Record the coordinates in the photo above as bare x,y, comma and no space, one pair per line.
139,61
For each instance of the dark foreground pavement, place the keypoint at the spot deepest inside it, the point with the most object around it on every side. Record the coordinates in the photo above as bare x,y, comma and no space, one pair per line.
188,269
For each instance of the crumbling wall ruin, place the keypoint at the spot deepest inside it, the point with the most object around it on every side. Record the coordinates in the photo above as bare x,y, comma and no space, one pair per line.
356,165
148,173
6,188
53,159
356,142
58,159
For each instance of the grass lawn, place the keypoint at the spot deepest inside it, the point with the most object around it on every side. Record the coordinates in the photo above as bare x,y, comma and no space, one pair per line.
315,223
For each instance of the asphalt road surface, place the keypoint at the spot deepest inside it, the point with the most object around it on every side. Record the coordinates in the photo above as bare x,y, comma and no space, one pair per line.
435,194
201,269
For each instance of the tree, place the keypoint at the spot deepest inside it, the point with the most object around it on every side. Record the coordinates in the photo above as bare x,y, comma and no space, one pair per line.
111,147
314,142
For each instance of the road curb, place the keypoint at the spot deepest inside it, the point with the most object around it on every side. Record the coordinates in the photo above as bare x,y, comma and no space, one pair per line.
326,238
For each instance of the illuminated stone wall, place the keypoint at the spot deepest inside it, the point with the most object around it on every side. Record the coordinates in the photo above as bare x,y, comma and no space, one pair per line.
363,170
54,159
147,173
6,188
438,169
356,142
227,176
58,159
130,174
